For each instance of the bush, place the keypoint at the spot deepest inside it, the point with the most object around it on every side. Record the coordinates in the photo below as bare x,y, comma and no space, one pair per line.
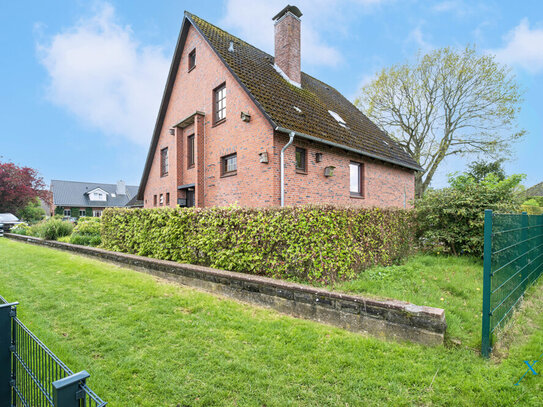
21,230
451,219
52,229
87,232
300,243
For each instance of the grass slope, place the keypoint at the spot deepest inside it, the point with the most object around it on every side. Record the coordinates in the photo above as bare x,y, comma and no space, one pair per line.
150,343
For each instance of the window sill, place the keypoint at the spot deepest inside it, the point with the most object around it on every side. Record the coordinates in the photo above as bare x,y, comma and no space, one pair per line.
190,167
301,172
191,69
218,123
164,175
357,196
229,174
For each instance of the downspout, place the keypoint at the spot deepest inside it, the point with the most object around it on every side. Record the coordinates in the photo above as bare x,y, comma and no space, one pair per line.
283,167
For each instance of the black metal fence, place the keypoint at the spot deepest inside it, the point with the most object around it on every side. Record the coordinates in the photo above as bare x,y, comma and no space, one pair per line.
513,261
31,375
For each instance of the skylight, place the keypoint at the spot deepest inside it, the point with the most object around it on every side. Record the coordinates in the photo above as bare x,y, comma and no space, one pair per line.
298,110
338,118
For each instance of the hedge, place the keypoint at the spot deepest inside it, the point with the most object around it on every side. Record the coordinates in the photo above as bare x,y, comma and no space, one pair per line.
298,243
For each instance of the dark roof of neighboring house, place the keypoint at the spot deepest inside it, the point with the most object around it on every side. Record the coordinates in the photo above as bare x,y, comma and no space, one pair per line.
135,203
73,193
276,98
536,190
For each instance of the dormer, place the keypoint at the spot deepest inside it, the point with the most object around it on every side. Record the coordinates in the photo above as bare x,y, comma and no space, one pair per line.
97,194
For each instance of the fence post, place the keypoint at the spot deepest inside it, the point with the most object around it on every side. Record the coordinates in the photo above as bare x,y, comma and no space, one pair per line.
487,269
5,354
67,392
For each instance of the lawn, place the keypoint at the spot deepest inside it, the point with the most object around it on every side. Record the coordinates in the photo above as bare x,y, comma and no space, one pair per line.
147,342
452,283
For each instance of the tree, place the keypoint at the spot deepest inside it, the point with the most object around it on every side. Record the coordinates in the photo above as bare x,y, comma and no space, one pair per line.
32,212
448,103
18,186
479,170
451,219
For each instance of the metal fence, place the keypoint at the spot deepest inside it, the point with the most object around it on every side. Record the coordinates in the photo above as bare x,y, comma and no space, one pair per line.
513,260
31,375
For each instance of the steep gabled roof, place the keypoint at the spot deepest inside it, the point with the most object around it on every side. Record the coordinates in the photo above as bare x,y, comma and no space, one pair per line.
536,190
305,110
75,194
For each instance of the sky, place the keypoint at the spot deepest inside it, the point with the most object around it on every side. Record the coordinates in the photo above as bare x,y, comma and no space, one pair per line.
81,81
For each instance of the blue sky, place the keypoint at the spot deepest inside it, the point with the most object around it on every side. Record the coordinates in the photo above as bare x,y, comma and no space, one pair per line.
81,81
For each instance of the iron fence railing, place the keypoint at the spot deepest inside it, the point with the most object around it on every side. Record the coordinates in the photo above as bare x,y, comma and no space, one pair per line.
513,260
31,375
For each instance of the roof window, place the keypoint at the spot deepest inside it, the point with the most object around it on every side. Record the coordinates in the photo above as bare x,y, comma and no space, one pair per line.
338,118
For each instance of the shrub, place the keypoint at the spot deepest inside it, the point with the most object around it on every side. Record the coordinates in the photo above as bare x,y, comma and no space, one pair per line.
51,229
300,243
87,232
21,230
451,219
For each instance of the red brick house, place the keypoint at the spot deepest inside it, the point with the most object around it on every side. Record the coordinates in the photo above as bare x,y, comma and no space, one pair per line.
231,113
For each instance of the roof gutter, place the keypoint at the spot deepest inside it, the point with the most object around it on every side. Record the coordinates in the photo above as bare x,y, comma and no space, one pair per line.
283,167
343,147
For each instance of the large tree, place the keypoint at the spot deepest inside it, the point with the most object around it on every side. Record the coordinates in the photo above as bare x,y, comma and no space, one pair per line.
448,103
18,186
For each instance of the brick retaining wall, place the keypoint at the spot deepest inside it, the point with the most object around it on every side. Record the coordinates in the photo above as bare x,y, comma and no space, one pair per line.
390,319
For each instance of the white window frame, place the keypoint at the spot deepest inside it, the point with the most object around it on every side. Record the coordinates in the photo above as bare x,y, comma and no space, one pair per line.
67,212
97,213
84,211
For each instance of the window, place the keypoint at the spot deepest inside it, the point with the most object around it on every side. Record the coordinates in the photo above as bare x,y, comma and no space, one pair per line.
82,212
355,170
67,212
229,165
97,213
161,199
154,200
167,198
219,103
338,118
164,162
301,159
192,59
190,151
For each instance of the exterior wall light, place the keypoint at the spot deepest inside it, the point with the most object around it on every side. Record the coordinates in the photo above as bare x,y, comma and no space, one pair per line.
263,157
172,132
246,117
329,171
318,157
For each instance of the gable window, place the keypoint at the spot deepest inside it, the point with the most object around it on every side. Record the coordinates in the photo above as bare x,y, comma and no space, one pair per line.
229,165
82,212
301,159
97,213
154,200
190,151
192,59
67,212
356,178
219,104
167,198
164,162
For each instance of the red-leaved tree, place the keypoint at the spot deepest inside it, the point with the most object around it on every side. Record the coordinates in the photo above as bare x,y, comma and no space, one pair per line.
18,185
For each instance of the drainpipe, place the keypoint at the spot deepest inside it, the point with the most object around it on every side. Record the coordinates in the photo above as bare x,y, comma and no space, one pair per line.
283,167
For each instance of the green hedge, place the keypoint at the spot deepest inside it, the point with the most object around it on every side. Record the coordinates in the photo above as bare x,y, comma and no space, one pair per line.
302,243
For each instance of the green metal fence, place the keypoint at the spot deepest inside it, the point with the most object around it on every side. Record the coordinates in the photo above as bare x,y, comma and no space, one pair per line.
513,260
31,375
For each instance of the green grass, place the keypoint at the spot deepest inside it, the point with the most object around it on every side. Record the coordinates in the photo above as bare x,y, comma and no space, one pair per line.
452,283
150,343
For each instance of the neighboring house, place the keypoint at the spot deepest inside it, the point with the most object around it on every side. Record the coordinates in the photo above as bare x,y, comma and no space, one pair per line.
229,109
75,199
46,202
134,203
536,190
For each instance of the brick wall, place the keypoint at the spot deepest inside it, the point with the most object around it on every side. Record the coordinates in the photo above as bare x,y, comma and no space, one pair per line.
256,183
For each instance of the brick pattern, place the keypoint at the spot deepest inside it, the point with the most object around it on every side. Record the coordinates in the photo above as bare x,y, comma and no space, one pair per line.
255,184
287,46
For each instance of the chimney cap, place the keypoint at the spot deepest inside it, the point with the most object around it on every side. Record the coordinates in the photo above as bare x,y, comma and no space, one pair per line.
293,9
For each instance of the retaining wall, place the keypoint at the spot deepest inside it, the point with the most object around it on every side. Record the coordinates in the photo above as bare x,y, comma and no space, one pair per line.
390,319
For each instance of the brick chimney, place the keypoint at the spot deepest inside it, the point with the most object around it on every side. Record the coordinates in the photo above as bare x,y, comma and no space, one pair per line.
121,188
287,42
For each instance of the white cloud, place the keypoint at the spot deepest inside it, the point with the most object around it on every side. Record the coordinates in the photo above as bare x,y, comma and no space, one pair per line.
416,36
99,72
253,22
523,47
